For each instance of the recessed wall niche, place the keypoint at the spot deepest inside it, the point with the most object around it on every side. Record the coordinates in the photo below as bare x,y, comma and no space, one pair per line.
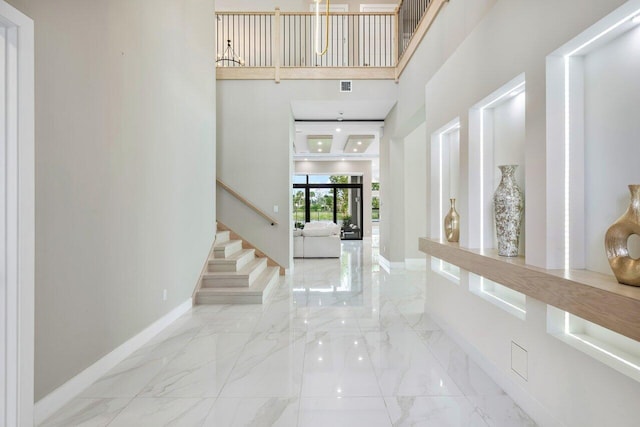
513,302
612,349
496,137
593,143
445,174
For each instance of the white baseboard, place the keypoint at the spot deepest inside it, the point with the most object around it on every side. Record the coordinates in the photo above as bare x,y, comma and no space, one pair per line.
55,400
525,400
416,264
388,265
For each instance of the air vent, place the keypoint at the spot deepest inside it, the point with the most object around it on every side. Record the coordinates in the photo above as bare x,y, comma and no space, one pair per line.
345,85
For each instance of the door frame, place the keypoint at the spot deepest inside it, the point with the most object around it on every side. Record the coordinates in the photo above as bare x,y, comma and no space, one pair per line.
333,8
376,8
307,191
17,214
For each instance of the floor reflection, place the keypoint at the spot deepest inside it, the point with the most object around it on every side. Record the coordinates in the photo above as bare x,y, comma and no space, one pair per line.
340,342
332,281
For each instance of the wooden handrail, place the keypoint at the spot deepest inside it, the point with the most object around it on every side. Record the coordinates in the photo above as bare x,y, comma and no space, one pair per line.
426,20
235,194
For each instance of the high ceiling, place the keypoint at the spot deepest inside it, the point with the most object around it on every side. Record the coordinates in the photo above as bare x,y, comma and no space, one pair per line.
337,140
362,110
335,130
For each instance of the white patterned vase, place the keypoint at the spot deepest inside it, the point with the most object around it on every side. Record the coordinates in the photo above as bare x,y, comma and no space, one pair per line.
508,204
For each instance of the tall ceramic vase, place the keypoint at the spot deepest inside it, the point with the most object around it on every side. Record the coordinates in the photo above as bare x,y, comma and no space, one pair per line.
508,204
625,268
452,223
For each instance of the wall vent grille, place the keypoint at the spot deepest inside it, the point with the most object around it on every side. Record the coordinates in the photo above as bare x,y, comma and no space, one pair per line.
346,85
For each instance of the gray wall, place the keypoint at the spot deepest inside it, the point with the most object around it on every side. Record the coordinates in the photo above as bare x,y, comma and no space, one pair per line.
255,151
125,169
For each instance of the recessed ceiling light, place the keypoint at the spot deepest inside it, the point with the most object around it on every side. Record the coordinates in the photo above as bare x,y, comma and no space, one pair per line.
338,129
359,142
355,149
319,142
343,159
306,160
319,150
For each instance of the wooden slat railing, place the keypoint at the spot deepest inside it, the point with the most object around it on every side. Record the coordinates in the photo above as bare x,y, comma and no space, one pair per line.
280,45
237,195
427,17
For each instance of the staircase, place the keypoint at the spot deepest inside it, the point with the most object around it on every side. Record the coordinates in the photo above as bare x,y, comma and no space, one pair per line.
234,275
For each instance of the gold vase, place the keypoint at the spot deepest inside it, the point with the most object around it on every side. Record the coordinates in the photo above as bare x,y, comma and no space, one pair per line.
452,223
625,268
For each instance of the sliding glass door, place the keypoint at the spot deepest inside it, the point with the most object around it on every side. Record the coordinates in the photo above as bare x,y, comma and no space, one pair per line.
339,200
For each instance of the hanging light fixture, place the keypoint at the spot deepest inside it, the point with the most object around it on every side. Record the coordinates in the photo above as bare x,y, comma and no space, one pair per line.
319,50
229,57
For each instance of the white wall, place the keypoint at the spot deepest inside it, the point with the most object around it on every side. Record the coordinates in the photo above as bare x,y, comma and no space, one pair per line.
362,168
125,170
254,153
396,223
503,46
455,21
387,191
445,183
611,120
415,189
565,386
508,120
509,137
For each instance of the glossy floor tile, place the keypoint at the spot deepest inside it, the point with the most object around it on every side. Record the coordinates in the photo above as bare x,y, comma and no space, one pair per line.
340,342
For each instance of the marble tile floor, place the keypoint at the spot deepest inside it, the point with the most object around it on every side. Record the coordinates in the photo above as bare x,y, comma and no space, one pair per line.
339,343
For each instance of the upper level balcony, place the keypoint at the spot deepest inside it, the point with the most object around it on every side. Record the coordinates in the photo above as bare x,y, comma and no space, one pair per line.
305,45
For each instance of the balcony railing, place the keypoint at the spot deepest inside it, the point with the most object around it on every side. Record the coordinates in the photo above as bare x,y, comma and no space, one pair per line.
410,13
256,45
250,36
355,40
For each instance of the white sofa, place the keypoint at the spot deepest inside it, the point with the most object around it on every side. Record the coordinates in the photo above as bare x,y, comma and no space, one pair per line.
317,240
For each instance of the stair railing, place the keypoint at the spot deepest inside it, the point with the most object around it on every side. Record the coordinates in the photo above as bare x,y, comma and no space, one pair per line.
235,194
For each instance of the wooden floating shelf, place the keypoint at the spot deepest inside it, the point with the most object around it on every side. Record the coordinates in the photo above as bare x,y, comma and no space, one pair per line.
595,297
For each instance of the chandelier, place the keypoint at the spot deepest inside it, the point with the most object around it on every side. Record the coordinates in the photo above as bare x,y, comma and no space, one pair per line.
319,50
229,57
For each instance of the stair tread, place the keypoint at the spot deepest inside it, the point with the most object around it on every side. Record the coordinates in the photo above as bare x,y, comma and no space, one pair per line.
222,233
256,288
245,271
231,258
222,245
